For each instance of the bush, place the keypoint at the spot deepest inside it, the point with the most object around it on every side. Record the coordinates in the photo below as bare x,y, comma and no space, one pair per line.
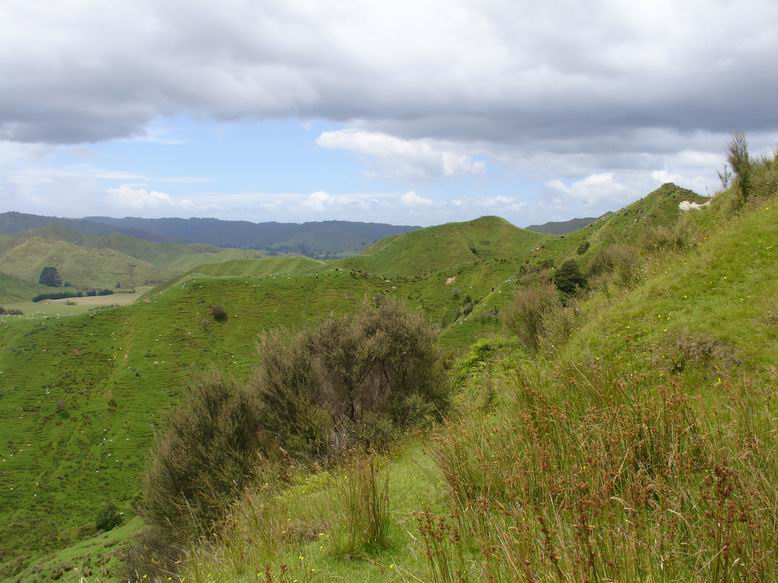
583,248
203,458
739,160
219,314
621,260
525,313
108,518
50,277
568,278
10,312
350,382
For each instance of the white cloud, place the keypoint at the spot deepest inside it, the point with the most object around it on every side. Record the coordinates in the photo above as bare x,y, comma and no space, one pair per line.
412,199
320,201
401,157
593,191
129,197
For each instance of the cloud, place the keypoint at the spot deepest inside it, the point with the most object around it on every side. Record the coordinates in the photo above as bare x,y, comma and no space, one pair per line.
401,157
593,191
493,71
411,199
320,201
129,197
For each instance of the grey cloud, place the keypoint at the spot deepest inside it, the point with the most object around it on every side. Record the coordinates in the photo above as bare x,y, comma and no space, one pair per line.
501,72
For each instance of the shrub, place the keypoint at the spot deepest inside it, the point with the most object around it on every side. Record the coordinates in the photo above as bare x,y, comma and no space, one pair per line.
286,386
583,248
50,277
620,260
205,455
10,312
219,314
108,517
739,160
568,278
350,381
662,238
525,313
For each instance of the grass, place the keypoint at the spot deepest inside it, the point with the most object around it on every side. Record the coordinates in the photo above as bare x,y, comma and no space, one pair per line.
644,449
117,373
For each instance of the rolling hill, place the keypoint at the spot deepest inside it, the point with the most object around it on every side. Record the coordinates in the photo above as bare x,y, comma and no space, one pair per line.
74,429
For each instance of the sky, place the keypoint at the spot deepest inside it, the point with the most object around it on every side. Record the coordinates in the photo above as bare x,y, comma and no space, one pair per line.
407,112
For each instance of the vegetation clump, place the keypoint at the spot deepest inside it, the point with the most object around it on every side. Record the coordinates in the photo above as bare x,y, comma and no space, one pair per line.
108,517
219,314
316,397
569,278
525,314
50,277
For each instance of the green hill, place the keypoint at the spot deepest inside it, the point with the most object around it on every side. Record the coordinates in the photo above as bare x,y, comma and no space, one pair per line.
13,289
74,429
89,260
642,446
445,247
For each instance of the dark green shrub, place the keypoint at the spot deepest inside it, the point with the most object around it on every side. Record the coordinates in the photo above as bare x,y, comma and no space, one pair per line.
219,314
10,312
108,518
583,248
50,277
203,458
350,382
286,386
568,278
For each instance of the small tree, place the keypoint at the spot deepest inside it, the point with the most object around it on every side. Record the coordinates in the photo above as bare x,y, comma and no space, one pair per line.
568,278
738,158
50,277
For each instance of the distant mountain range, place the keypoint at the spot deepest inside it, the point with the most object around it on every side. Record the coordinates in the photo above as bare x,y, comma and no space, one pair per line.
315,239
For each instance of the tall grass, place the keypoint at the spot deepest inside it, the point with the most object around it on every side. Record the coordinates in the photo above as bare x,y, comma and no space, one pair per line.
360,507
590,477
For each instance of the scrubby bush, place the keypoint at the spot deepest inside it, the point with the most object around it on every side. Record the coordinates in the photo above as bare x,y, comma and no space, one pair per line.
204,456
583,248
10,312
740,161
350,381
219,314
108,517
568,278
620,260
525,313
663,238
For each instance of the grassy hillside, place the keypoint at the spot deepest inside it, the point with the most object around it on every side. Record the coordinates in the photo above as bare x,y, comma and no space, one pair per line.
75,428
89,260
84,267
643,448
13,289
